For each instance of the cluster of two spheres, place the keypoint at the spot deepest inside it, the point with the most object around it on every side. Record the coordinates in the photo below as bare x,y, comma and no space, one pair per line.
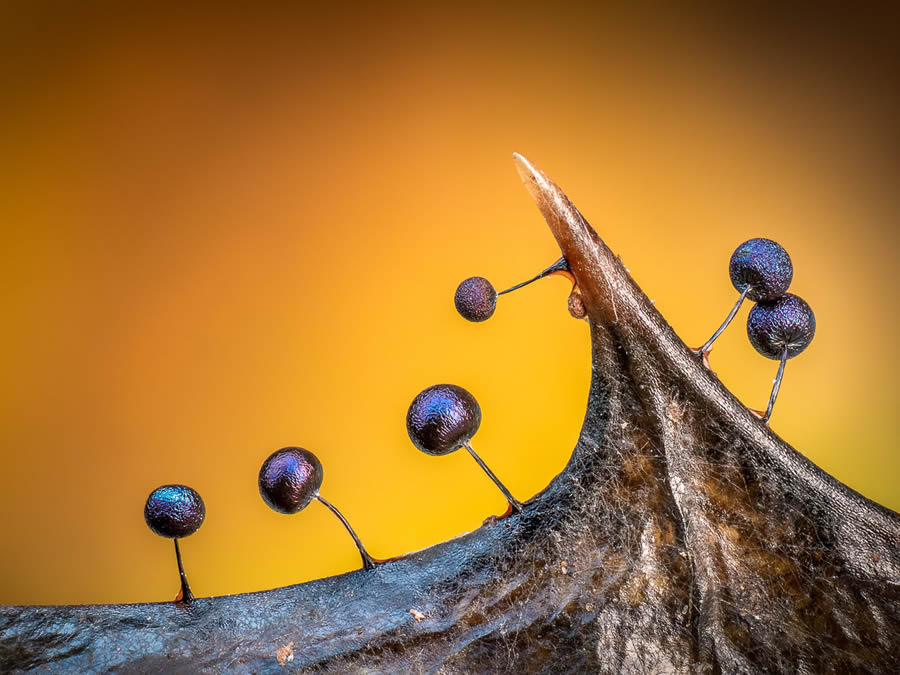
762,271
781,324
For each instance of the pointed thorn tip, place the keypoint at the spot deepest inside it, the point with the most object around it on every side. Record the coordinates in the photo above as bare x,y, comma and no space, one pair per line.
523,166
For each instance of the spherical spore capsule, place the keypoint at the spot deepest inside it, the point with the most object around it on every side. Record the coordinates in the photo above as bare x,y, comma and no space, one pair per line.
289,479
786,322
442,418
764,266
475,299
174,511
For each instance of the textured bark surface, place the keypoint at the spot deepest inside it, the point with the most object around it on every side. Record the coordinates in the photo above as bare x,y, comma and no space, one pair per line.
683,536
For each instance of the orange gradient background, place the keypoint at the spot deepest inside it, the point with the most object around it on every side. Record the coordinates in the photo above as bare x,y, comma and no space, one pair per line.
224,232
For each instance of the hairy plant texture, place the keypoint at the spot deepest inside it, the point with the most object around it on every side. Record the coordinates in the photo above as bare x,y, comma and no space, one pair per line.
683,536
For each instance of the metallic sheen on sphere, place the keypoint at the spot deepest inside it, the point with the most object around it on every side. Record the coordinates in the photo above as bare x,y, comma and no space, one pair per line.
475,299
763,265
442,418
174,511
289,479
786,321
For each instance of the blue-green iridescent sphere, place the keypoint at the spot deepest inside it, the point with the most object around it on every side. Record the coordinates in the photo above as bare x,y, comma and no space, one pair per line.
174,511
475,299
764,266
786,322
290,479
442,418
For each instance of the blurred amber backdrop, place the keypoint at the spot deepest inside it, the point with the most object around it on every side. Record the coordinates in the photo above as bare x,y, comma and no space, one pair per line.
226,231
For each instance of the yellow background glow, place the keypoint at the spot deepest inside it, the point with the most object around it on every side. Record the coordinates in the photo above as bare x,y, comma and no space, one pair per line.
228,232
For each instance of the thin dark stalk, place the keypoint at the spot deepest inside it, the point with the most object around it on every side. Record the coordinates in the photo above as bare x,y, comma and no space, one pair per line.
559,266
728,320
777,385
515,503
368,561
186,596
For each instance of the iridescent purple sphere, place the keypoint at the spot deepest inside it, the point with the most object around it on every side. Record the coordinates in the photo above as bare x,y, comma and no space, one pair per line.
174,511
289,479
786,322
764,266
442,418
475,299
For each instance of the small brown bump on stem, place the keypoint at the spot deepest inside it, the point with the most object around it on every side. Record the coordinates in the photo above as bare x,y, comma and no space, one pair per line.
576,305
